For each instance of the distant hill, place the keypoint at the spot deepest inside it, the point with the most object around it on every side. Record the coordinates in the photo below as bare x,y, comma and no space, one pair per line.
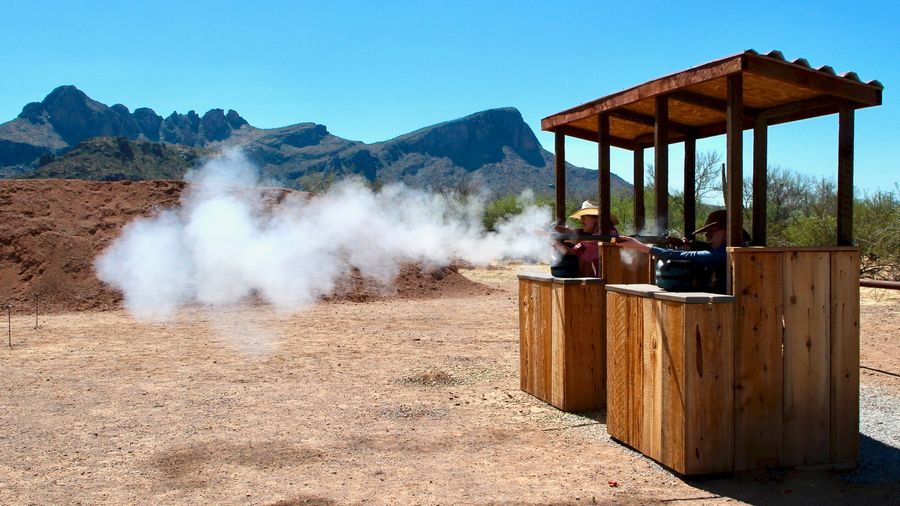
117,159
69,135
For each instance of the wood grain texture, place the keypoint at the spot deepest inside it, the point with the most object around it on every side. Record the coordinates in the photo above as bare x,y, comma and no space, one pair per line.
845,268
758,365
617,364
621,266
635,354
708,333
579,362
526,376
558,342
672,376
651,425
807,364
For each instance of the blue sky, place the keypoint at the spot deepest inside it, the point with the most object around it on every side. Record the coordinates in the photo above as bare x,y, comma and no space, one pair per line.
374,70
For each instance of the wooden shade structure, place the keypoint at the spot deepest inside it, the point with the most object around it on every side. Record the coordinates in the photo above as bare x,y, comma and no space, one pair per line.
727,96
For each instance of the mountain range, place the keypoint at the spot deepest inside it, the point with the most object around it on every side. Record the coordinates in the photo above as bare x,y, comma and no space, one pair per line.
70,135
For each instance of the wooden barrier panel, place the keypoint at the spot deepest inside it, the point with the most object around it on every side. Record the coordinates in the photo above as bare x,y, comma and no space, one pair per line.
562,341
807,323
579,350
534,338
708,388
617,371
621,266
758,364
671,375
844,438
796,356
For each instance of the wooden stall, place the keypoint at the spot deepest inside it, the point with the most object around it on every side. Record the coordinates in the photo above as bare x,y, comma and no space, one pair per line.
791,332
562,340
670,376
562,331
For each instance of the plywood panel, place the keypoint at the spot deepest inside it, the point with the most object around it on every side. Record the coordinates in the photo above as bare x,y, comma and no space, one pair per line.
672,365
844,357
807,364
651,435
758,367
709,393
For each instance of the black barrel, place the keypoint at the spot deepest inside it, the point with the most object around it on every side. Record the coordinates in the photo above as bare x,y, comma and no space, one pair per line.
675,275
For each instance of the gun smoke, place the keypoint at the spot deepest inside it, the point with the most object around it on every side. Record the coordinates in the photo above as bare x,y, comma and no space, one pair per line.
223,245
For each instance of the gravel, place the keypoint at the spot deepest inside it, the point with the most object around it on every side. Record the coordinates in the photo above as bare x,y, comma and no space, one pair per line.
879,440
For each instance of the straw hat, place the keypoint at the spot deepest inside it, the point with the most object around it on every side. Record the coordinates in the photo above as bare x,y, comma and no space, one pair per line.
588,208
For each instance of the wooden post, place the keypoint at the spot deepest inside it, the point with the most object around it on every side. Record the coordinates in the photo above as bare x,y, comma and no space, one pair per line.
638,189
734,132
845,175
661,162
690,186
560,169
760,183
603,166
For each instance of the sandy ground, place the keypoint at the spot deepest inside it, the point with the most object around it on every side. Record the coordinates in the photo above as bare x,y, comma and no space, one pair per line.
390,402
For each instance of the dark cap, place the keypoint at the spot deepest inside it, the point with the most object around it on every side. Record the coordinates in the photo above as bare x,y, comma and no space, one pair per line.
715,220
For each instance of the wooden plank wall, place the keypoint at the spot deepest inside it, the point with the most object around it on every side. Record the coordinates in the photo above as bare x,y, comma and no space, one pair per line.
708,388
579,347
534,338
758,364
796,357
625,344
806,357
617,367
844,437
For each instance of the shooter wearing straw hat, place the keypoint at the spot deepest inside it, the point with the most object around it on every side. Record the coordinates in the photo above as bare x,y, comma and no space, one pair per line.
588,252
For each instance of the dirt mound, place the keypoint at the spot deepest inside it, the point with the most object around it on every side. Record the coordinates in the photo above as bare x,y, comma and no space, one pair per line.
52,230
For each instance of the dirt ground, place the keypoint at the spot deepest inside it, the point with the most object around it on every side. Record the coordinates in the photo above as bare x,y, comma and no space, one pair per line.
396,401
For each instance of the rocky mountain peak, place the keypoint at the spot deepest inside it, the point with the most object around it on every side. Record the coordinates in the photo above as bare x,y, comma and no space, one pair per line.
477,139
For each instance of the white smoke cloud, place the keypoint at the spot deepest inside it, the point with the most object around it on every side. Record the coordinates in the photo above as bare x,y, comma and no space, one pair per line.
223,246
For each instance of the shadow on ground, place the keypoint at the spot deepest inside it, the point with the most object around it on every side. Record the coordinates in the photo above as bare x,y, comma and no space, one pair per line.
876,480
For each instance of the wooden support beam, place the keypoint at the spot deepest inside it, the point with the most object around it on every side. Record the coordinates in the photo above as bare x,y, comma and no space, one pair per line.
643,119
560,169
639,190
811,108
734,160
690,186
708,102
589,135
760,182
845,175
661,164
603,170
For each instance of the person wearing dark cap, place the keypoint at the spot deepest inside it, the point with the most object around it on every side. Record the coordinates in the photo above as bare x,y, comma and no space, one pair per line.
712,261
